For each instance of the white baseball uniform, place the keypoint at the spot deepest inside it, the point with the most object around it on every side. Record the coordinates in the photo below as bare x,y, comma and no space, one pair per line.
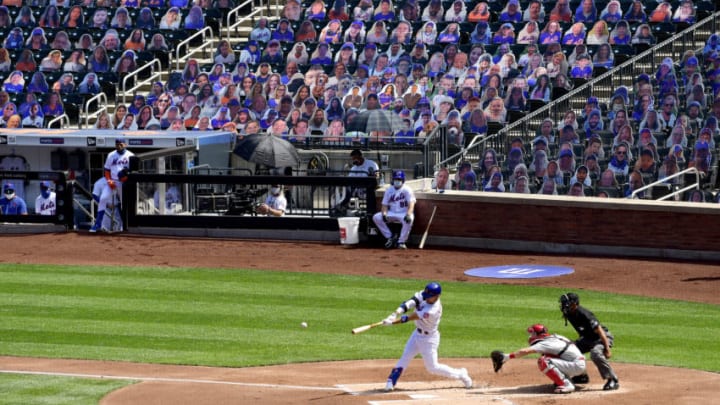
98,188
45,206
114,163
398,201
562,353
425,339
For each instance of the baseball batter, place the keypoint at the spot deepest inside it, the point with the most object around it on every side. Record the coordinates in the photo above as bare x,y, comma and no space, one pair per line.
559,358
398,205
594,338
45,202
425,339
117,165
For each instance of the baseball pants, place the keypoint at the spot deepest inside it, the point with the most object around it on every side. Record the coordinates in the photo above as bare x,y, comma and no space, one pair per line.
426,346
393,217
597,355
569,368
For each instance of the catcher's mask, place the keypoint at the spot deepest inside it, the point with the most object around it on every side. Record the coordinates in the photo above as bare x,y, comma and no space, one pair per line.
536,332
566,300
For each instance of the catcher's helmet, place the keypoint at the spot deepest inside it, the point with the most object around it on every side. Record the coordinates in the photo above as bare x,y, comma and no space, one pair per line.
537,331
399,175
431,290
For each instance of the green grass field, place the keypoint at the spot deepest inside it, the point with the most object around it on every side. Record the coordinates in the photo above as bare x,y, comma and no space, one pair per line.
240,318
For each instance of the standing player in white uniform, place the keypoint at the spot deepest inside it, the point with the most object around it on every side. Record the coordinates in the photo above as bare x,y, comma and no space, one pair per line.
559,359
425,339
45,202
398,205
117,165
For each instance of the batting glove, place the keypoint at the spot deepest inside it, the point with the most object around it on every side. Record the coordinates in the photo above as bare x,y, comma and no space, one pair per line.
390,319
408,218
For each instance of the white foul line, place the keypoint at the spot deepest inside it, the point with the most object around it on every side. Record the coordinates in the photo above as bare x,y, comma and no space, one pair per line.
168,379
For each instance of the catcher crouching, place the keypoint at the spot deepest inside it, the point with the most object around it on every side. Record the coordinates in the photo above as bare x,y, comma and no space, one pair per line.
560,359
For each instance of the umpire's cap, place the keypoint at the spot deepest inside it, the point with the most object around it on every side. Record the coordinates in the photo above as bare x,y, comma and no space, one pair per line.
431,290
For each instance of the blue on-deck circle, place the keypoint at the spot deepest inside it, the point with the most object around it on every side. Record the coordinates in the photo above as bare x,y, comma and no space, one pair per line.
519,271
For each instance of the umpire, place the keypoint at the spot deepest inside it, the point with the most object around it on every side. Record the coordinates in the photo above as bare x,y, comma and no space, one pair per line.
594,338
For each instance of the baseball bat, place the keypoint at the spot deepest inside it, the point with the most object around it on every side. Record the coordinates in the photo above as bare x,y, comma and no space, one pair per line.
427,228
361,329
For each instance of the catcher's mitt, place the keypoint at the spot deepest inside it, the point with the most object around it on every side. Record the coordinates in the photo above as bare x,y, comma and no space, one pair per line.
498,359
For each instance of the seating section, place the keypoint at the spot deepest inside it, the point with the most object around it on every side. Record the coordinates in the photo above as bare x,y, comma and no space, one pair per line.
314,75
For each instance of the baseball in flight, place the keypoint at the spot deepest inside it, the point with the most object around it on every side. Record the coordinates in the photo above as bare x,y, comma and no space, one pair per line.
303,324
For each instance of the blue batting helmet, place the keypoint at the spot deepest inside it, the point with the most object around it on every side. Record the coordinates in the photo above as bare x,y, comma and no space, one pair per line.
431,290
399,174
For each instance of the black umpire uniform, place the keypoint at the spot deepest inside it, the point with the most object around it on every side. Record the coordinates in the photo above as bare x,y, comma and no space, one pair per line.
593,338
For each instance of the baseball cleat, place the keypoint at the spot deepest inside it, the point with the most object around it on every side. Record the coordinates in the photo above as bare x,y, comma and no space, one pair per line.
389,386
565,388
611,384
390,243
465,378
94,229
402,246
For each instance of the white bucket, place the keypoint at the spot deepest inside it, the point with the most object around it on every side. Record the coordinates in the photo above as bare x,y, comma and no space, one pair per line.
349,227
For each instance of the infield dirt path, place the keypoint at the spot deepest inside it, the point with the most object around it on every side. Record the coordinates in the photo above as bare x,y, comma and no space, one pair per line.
360,381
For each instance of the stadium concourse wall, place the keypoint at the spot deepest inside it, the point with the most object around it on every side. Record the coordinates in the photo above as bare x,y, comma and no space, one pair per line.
567,225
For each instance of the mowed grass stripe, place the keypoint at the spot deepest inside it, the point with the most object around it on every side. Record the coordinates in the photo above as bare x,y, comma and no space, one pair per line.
238,317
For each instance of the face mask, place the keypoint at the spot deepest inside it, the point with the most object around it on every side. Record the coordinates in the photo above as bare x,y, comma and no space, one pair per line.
356,163
397,183
121,151
45,193
10,195
275,190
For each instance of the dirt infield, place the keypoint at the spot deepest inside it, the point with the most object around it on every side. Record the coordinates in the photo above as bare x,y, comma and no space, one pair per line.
360,381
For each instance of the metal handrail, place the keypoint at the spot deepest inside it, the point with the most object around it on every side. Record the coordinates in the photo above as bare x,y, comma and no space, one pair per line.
102,100
236,11
696,185
204,33
63,119
155,74
478,140
427,144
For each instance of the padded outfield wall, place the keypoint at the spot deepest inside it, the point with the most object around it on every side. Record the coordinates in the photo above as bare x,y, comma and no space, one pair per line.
569,225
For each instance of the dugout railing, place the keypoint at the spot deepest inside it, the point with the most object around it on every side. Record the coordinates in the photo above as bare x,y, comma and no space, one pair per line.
229,201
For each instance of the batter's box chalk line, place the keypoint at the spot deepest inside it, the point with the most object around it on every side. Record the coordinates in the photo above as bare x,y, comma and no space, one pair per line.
404,387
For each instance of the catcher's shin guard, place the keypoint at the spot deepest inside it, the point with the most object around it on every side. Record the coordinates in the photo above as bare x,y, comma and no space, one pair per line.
551,371
395,375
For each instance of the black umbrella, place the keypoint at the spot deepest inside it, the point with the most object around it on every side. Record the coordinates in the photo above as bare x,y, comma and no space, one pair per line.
375,120
268,150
